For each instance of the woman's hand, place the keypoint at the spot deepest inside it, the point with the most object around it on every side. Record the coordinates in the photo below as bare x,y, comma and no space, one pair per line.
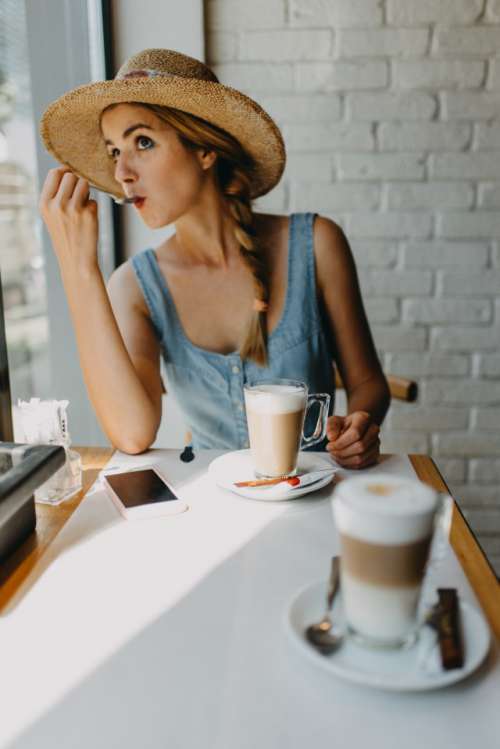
353,440
71,219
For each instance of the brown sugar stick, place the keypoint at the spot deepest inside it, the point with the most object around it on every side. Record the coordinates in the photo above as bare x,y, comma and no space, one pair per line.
447,624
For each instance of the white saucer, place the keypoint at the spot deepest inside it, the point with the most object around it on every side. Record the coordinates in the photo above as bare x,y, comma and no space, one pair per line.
237,466
394,670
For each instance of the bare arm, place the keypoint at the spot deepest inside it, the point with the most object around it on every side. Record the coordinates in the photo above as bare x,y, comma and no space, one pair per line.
354,439
122,379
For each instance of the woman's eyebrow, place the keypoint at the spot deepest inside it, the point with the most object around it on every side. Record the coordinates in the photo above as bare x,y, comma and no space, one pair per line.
130,130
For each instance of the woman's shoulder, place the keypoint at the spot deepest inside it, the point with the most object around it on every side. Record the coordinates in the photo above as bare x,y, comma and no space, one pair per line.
123,286
332,252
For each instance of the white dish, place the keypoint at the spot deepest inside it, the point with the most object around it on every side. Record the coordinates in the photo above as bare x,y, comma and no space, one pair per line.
237,466
394,670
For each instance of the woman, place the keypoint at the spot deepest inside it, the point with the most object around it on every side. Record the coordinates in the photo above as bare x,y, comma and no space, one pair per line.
232,296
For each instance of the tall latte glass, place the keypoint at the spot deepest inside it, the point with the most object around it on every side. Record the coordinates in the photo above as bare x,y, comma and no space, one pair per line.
276,410
385,527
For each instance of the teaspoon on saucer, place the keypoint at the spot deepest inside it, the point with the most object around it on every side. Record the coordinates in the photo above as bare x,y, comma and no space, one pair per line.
320,634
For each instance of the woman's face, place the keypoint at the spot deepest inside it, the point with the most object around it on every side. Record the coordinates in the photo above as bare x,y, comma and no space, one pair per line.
152,165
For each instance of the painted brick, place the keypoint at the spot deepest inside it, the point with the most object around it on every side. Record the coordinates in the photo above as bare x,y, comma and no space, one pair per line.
428,365
465,166
485,471
329,136
383,42
452,12
493,81
471,284
387,105
298,108
285,44
447,311
465,339
221,47
467,444
462,392
452,469
403,442
396,282
484,521
256,76
309,196
399,338
424,136
487,136
339,76
274,201
492,11
338,14
495,254
470,105
488,419
443,254
381,310
438,73
477,225
239,14
475,497
389,225
424,419
427,195
381,166
309,166
489,366
480,41
374,254
489,195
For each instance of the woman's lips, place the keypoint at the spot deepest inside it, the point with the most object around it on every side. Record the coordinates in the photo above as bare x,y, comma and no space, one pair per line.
139,202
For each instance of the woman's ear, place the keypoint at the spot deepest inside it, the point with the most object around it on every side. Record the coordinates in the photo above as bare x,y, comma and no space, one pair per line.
206,158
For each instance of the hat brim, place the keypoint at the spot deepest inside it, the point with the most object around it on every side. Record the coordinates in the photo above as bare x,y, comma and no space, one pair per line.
70,127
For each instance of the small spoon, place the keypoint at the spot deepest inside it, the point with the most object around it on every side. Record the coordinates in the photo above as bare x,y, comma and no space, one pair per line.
320,634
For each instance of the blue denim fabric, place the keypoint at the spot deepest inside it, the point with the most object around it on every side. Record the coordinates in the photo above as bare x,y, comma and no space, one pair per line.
208,385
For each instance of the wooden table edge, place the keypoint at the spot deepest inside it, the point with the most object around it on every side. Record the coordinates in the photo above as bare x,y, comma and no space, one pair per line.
472,558
474,562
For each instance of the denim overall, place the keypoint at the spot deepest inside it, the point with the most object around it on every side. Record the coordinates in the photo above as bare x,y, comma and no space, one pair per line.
208,385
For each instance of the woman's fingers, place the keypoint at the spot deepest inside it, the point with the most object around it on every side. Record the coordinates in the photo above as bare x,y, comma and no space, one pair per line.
80,193
360,446
66,188
363,460
335,425
52,183
355,426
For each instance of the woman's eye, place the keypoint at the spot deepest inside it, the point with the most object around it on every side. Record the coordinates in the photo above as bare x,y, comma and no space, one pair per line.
143,142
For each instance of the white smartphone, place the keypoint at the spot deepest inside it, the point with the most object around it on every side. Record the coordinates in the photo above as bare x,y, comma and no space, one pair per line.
142,493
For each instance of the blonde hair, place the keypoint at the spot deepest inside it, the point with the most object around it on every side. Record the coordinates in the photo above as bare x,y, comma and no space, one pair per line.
233,171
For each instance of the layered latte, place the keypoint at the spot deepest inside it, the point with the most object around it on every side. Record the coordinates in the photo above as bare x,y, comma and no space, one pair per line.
385,527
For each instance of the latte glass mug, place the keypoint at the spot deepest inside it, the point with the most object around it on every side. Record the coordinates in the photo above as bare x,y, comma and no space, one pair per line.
391,530
276,410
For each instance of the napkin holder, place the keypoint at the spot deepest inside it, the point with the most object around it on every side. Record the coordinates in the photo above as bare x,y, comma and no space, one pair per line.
23,468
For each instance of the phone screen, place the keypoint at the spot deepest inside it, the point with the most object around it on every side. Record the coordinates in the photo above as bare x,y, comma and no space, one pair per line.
138,488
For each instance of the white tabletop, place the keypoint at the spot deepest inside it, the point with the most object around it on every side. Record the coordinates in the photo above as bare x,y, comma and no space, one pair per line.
170,633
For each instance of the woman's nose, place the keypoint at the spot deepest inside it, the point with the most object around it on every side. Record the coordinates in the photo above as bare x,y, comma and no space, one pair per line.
123,170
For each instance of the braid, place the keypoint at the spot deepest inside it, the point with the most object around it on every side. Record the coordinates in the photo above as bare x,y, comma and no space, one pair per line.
237,194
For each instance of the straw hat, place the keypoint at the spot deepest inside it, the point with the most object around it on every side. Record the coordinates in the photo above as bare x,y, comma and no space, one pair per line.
70,125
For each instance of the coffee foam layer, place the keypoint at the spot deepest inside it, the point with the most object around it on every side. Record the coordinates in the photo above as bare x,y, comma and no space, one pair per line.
384,509
275,399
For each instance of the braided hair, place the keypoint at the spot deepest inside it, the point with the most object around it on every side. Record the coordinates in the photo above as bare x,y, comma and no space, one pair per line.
233,170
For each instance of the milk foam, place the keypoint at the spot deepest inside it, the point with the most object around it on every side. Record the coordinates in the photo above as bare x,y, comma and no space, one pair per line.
275,399
384,509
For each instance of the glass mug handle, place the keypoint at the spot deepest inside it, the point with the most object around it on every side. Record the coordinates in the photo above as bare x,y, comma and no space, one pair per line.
319,432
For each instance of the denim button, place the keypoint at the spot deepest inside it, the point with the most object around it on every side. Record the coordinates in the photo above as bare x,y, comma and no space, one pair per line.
236,370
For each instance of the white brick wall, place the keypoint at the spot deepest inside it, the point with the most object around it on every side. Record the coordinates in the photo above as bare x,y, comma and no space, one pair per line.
390,111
